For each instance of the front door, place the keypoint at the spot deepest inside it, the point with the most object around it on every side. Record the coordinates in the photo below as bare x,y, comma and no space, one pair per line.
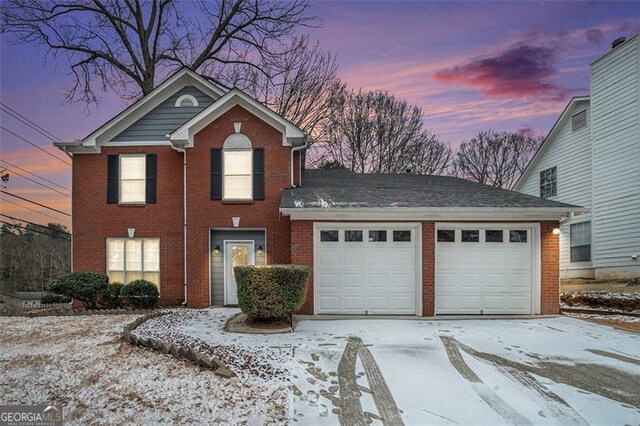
236,253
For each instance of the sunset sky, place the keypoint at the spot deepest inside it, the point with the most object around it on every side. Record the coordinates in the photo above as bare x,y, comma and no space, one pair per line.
469,65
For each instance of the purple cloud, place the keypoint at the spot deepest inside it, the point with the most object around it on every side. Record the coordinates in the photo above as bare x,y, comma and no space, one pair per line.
594,35
522,71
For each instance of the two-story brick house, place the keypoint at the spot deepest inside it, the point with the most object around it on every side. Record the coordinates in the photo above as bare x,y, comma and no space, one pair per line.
193,180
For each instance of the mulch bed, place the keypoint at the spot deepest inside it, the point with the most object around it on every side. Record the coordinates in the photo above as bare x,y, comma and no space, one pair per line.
602,299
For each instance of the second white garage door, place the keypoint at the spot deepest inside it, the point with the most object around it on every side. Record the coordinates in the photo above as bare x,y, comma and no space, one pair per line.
365,269
484,269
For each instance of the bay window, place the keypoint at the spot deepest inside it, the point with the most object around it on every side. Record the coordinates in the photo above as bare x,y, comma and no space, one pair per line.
130,259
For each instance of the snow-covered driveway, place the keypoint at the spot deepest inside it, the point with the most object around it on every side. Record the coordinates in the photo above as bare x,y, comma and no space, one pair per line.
539,371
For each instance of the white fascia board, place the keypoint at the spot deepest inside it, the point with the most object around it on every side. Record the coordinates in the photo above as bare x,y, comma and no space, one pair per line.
144,105
431,214
549,138
187,131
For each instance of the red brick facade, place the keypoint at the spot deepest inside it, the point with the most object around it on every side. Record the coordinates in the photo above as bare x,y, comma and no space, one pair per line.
94,220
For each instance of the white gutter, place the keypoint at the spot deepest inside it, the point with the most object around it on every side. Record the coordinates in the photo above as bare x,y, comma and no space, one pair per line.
430,213
298,148
184,205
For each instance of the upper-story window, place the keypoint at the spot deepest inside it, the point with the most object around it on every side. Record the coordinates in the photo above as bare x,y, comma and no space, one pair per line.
579,121
132,178
237,166
548,183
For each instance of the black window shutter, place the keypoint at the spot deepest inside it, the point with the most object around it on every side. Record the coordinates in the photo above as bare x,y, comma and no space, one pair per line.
258,174
151,177
216,174
112,178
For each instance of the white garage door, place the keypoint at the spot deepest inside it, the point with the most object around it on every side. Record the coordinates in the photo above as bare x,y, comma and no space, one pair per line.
484,269
365,269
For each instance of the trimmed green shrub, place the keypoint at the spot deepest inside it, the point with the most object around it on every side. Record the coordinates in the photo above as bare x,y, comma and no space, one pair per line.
271,292
110,297
54,298
83,286
141,294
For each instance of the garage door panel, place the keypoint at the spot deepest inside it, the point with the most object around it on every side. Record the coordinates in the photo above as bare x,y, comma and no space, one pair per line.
372,277
483,277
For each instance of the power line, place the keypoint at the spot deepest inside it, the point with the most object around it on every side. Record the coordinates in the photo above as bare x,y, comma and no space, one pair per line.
28,208
24,120
35,174
33,144
34,202
41,184
35,224
35,231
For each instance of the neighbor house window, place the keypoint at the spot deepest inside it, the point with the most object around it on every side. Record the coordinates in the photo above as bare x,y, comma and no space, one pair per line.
548,183
579,121
237,168
132,178
580,237
130,259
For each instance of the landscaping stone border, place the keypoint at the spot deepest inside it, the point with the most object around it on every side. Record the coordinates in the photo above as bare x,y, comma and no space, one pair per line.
177,351
83,312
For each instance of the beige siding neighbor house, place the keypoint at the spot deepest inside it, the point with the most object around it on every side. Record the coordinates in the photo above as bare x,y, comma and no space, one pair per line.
591,158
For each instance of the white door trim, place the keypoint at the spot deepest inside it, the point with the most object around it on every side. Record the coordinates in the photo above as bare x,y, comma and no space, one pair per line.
416,227
252,259
536,252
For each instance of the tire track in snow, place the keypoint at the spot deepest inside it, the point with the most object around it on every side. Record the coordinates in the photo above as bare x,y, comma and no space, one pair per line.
351,412
496,403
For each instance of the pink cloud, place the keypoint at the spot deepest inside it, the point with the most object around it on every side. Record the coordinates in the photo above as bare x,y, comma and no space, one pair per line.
521,71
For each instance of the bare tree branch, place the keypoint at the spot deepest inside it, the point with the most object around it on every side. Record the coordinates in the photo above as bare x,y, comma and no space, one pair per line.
495,158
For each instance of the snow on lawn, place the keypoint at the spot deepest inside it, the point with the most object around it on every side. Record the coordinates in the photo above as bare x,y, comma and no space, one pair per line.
538,371
82,364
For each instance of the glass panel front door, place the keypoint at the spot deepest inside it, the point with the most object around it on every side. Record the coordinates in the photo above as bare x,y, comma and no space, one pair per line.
236,254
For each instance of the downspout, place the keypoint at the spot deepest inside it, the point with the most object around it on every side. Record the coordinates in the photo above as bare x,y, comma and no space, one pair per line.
298,148
184,208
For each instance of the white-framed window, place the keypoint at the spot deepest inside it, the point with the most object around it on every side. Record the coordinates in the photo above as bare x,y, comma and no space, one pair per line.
237,168
580,242
548,183
132,178
130,259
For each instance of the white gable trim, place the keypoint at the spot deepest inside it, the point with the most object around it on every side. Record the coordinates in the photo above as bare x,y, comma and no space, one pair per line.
167,88
187,131
566,113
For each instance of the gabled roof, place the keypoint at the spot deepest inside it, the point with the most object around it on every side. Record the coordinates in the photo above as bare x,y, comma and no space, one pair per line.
566,113
414,196
142,106
291,134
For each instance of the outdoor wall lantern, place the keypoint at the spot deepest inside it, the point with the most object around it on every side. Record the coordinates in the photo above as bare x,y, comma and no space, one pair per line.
260,250
554,231
216,250
131,232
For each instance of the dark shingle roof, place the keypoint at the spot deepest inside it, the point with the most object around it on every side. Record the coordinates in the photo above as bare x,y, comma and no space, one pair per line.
343,189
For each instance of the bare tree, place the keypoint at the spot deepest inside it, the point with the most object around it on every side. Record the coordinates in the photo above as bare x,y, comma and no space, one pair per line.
128,45
4,177
301,85
495,158
373,132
